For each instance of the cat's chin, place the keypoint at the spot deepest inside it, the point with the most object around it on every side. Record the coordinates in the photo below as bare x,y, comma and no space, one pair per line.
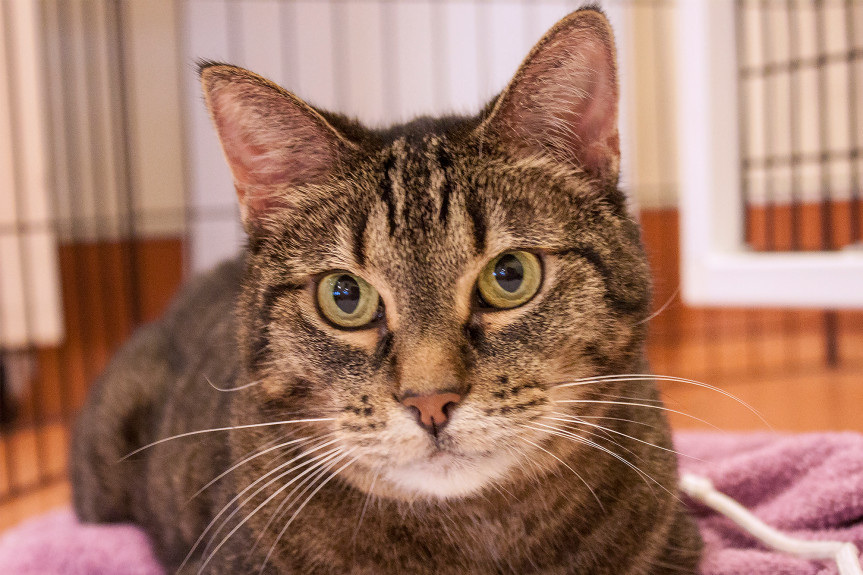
443,475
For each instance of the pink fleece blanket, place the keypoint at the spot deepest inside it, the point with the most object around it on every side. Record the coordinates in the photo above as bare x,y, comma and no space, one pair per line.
810,486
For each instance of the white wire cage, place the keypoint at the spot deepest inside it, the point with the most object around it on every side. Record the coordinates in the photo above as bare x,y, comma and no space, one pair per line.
771,98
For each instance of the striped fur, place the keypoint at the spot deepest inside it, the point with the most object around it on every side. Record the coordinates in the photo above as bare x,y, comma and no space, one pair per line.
416,210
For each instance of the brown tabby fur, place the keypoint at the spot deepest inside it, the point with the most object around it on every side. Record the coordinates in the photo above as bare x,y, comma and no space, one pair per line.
416,210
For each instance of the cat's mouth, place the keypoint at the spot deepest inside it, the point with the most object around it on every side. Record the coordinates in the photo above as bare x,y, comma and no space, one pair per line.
408,462
442,456
443,469
444,474
445,449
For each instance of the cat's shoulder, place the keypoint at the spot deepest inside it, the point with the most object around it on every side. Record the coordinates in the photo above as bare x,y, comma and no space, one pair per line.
216,284
210,293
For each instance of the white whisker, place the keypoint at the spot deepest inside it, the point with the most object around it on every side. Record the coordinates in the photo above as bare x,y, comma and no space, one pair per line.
236,528
248,488
230,428
286,502
569,435
624,377
662,308
633,421
629,398
300,508
300,441
601,434
647,405
521,456
365,507
311,464
578,420
230,389
562,462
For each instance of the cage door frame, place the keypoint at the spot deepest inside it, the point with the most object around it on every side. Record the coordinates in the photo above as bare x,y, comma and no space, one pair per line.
717,268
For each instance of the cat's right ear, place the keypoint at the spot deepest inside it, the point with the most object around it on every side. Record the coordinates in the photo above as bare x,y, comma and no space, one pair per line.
562,102
272,140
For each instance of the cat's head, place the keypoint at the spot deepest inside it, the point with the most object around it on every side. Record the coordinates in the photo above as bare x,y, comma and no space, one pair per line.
428,286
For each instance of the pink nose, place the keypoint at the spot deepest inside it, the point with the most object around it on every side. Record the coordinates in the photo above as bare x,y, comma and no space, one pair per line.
432,409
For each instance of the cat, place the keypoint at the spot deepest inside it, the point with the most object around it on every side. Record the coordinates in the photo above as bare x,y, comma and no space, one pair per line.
415,364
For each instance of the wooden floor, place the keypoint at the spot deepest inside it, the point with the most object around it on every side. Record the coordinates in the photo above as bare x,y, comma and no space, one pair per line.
36,455
819,401
52,496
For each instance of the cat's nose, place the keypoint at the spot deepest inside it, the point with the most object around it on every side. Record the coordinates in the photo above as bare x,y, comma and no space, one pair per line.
432,410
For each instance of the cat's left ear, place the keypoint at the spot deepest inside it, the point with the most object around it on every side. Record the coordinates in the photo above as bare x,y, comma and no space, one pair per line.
562,102
273,141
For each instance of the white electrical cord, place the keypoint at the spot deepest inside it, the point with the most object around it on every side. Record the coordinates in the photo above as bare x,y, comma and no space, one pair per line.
844,553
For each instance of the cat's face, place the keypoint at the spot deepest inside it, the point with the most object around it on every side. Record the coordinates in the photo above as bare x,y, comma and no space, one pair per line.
429,287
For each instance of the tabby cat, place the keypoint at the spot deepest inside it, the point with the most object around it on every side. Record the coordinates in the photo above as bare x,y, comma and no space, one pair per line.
414,366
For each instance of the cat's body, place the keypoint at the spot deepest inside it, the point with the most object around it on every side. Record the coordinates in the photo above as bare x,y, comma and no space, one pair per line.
437,433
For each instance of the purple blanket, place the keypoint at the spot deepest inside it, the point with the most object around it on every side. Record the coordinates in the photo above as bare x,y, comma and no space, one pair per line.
810,486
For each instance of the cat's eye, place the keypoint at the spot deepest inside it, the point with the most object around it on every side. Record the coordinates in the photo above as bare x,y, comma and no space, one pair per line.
509,280
348,300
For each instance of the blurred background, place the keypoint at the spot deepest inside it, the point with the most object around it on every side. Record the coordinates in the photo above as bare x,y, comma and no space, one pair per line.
113,188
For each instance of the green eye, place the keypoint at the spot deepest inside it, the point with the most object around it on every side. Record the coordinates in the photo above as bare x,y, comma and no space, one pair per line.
347,300
509,280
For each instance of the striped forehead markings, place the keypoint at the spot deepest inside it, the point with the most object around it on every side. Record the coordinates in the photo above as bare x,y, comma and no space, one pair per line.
387,191
477,216
444,163
473,205
359,241
438,164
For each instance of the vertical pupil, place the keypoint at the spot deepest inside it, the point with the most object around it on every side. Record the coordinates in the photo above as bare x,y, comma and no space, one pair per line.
509,273
346,293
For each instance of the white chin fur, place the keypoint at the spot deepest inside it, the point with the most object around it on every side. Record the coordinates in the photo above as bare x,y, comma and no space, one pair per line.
446,476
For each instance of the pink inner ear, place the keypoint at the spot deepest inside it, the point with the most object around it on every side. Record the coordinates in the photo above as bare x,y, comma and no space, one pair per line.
564,102
253,164
272,143
253,168
596,114
255,172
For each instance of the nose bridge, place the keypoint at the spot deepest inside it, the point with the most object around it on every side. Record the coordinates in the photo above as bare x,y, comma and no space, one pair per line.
431,380
428,340
429,363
